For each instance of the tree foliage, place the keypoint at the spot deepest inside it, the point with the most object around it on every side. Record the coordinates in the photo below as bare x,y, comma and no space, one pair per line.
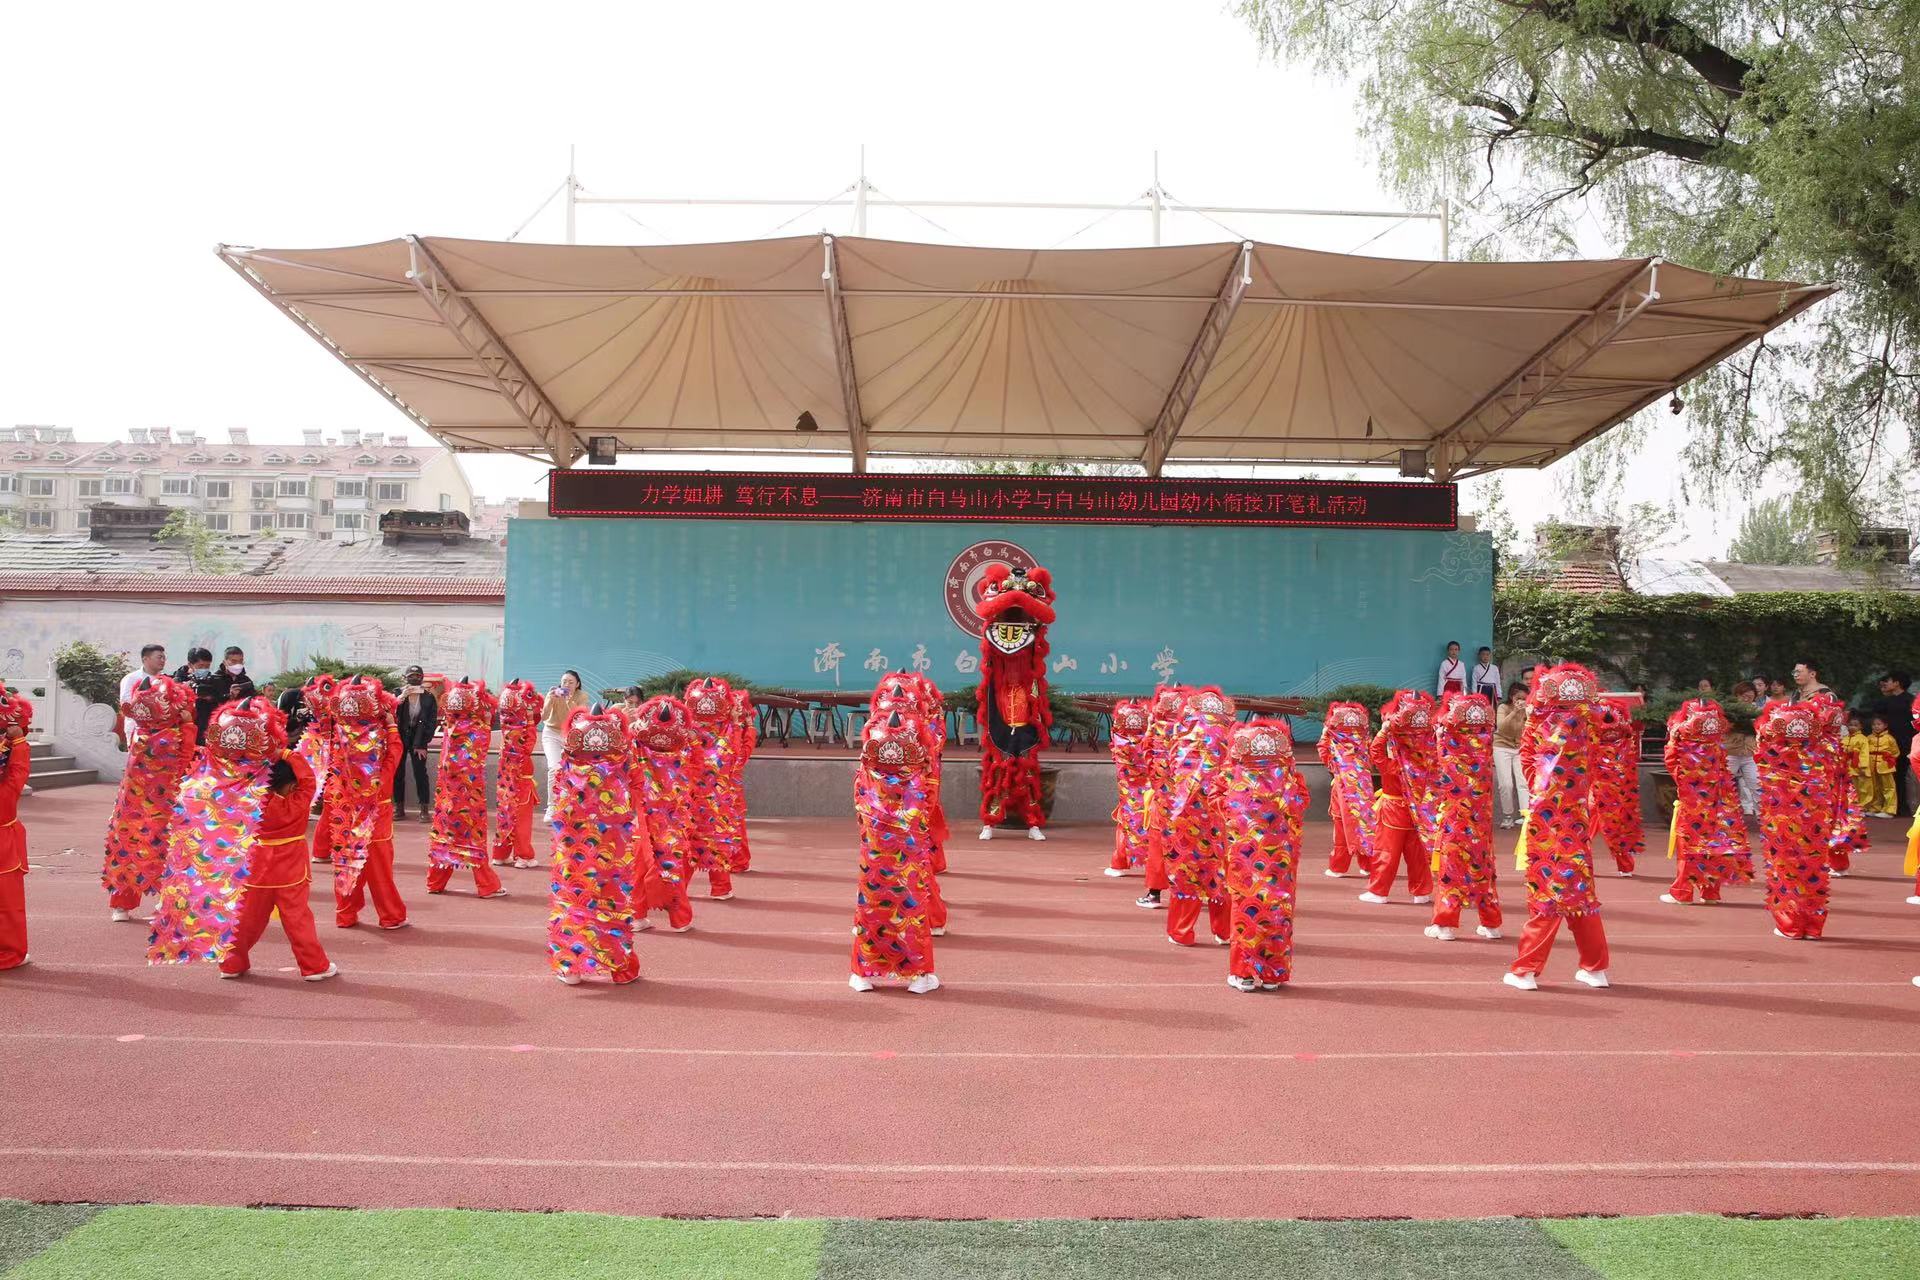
91,672
1771,532
321,664
1771,139
206,551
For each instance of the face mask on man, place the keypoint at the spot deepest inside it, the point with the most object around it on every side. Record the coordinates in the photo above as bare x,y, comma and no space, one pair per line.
235,668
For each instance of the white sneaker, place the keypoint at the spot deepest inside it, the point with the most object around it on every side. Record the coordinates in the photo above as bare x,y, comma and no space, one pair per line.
721,897
941,932
1916,980
1371,896
1440,933
1421,899
497,893
571,979
1913,899
641,924
1522,981
1592,977
331,971
404,924
1242,984
986,832
683,928
924,983
1492,934
1115,872
1219,941
1841,874
1677,902
1624,875
859,983
1270,986
225,976
1778,934
1147,902
121,917
1331,874
1033,833
526,862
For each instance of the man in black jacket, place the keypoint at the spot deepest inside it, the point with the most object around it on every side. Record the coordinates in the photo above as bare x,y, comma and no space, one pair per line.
418,716
229,681
1895,706
198,676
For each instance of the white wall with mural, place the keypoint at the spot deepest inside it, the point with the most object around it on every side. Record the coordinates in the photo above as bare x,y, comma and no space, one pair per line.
455,639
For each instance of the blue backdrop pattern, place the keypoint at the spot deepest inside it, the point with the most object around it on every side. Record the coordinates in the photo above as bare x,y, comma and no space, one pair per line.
832,604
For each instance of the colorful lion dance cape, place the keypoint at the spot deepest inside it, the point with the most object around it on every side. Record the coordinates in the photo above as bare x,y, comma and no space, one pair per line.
1708,836
1463,816
719,801
1128,744
1849,825
663,747
590,926
157,760
1195,859
892,925
1163,719
362,757
744,738
1015,715
1559,830
1343,750
317,696
917,698
514,795
1616,782
212,840
459,835
1796,816
1407,721
1261,803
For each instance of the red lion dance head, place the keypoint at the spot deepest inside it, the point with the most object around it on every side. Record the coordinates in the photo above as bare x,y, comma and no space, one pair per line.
1016,606
14,710
520,704
158,702
252,730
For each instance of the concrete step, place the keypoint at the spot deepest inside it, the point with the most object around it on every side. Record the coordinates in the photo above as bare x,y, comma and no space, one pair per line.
49,763
38,750
62,778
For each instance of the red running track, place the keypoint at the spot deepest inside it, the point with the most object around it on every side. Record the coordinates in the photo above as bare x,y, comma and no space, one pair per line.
1075,1064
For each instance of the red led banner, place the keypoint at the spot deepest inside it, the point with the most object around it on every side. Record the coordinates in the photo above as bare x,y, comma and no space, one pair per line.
730,495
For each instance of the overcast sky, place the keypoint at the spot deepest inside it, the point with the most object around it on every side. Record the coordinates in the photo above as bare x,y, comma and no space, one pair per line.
137,140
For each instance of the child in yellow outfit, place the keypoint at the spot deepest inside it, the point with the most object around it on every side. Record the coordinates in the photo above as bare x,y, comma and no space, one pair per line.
1884,752
1859,757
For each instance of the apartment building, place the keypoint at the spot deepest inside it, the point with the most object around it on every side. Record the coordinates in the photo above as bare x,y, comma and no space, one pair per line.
324,488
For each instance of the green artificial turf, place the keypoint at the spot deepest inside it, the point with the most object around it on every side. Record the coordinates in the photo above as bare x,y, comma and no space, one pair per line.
1705,1248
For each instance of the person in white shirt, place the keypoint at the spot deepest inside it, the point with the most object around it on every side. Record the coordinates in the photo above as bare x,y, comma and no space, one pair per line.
1486,676
1453,672
153,660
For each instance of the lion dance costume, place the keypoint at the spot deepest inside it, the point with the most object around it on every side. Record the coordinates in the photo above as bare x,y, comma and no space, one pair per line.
719,803
1195,860
1262,803
1163,719
157,759
1403,753
1559,835
919,699
1343,750
1128,745
1462,859
1796,807
1849,825
590,925
745,737
316,748
208,851
892,927
16,713
459,835
514,795
1616,783
1708,837
663,740
1016,718
363,755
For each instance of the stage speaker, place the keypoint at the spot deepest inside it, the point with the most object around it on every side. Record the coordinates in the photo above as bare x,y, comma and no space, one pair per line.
1413,463
603,451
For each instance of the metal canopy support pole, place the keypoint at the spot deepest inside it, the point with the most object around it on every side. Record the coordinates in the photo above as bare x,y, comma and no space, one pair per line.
843,357
1206,344
496,360
1155,195
859,201
573,193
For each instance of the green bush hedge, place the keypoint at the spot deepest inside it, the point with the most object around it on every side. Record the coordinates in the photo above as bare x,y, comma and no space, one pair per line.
320,664
92,673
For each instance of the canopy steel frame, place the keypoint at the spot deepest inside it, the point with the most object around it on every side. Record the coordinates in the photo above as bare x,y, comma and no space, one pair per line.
843,357
1193,371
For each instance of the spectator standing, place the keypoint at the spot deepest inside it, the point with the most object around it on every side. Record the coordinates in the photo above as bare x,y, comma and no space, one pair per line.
293,705
1777,691
1740,744
1509,783
418,718
562,700
230,681
1882,752
153,661
1453,672
1486,675
1895,706
198,676
1806,681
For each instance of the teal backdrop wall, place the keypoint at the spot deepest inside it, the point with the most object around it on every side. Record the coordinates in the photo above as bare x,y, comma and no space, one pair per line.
826,604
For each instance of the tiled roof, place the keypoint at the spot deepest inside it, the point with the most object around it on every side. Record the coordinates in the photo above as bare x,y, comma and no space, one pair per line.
85,455
1659,577
1587,579
270,567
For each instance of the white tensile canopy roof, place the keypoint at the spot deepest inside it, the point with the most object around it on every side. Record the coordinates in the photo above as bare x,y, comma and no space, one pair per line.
1236,352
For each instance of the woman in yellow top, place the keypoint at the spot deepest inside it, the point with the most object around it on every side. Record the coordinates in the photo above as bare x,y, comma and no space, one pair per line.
562,700
1883,752
1859,757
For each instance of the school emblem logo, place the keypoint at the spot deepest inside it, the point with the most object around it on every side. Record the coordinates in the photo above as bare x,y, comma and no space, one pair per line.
964,577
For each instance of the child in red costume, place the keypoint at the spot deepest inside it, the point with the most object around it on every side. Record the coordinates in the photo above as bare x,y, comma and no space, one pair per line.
1262,802
1343,750
16,715
933,713
459,836
1128,745
663,745
1708,838
1849,825
514,794
365,747
1796,801
591,923
1196,858
1163,716
1616,782
1016,718
316,748
1558,836
924,709
744,736
278,876
1403,811
157,758
1463,821
892,935
718,810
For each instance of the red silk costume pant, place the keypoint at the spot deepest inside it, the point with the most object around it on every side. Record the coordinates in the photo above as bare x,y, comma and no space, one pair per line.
1687,876
257,906
376,882
13,919
485,880
323,837
124,899
1446,913
1536,942
1396,842
1344,847
521,848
